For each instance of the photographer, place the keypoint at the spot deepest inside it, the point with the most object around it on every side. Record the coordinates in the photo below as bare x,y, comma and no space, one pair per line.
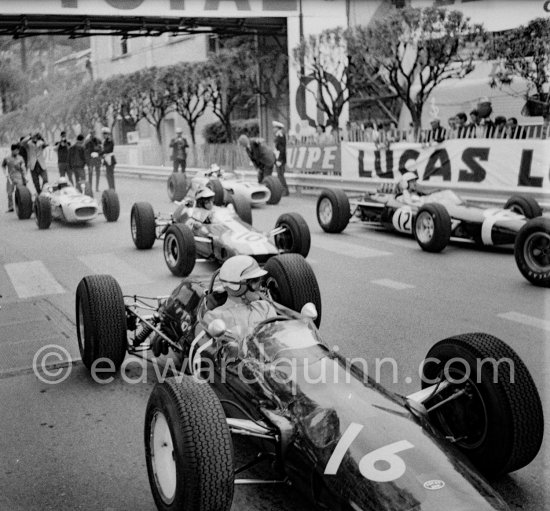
35,145
61,147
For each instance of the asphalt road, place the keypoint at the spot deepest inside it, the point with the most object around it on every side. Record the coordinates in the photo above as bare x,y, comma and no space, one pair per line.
79,445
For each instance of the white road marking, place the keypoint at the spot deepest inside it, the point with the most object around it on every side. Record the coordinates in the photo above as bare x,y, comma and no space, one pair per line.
32,278
526,320
111,264
348,249
392,284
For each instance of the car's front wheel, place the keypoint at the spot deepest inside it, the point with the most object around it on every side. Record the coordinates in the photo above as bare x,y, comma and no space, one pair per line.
110,205
180,251
489,407
523,205
143,225
296,237
23,202
188,448
43,212
432,227
333,210
216,186
275,187
532,251
242,207
176,186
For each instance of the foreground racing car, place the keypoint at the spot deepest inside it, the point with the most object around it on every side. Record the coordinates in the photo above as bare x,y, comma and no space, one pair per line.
224,184
532,251
433,220
228,232
60,201
342,439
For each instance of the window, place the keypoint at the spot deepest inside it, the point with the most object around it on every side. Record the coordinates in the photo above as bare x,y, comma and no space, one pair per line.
119,47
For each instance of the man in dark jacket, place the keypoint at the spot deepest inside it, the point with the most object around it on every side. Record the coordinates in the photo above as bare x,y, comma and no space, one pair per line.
92,144
280,153
61,147
179,148
77,160
108,156
260,155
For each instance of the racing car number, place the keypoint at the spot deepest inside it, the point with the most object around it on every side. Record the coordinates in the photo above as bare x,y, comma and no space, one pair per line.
402,219
395,466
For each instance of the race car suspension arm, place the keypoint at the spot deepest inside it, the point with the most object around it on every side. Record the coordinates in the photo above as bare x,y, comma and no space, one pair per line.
262,456
276,231
171,343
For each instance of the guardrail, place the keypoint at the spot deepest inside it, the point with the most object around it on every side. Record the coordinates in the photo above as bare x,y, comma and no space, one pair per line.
311,183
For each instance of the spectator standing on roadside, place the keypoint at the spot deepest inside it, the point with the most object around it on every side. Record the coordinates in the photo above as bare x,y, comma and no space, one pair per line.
512,128
108,156
260,155
461,120
179,148
499,127
14,170
36,161
280,154
321,136
472,126
61,147
438,133
23,152
92,145
77,160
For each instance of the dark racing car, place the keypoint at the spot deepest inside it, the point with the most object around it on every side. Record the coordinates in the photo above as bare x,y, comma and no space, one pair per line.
227,232
316,418
434,218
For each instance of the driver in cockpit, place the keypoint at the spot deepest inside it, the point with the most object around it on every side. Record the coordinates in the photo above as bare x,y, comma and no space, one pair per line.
406,187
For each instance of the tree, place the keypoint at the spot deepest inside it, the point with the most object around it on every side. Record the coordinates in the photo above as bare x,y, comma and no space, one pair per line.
12,86
190,95
414,50
525,52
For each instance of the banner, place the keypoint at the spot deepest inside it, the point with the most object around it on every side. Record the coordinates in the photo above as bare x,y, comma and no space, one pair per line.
475,163
309,159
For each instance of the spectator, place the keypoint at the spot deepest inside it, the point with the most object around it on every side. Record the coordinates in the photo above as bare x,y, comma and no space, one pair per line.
92,145
461,128
438,133
77,160
35,145
108,156
61,147
23,151
14,170
499,127
472,126
280,154
512,128
260,155
179,148
321,138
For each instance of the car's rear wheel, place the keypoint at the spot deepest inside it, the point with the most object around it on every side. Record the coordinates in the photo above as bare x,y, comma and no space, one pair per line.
333,210
101,322
180,251
43,212
23,202
110,205
216,186
143,225
292,283
275,187
188,448
242,207
296,238
493,410
176,186
432,227
532,251
526,206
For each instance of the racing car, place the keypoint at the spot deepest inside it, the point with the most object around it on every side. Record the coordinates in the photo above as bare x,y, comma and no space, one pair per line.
61,201
223,184
433,220
228,232
532,251
318,419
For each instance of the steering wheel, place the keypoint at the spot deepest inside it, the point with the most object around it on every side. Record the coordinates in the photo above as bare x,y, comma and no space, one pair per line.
271,320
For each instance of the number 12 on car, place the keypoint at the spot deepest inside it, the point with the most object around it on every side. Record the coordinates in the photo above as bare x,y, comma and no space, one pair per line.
388,453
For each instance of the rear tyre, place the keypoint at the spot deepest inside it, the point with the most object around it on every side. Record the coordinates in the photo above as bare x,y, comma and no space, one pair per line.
176,186
110,205
333,210
292,283
498,421
242,207
296,238
526,206
273,184
23,202
432,227
43,212
101,322
532,251
143,225
188,448
216,186
180,252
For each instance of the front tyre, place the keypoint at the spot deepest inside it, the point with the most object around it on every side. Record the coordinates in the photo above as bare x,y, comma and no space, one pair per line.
143,225
101,322
333,210
110,205
176,186
432,227
495,412
275,187
242,207
43,212
292,283
532,251
216,186
23,202
188,448
296,238
180,251
526,206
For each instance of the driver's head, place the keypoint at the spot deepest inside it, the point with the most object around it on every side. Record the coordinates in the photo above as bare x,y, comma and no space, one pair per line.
240,274
62,183
204,198
215,168
408,181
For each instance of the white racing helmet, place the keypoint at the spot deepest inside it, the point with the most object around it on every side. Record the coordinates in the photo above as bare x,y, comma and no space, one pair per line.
237,271
406,178
62,182
204,193
214,168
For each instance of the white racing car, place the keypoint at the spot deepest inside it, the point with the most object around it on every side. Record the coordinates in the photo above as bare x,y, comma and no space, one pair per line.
223,183
61,201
